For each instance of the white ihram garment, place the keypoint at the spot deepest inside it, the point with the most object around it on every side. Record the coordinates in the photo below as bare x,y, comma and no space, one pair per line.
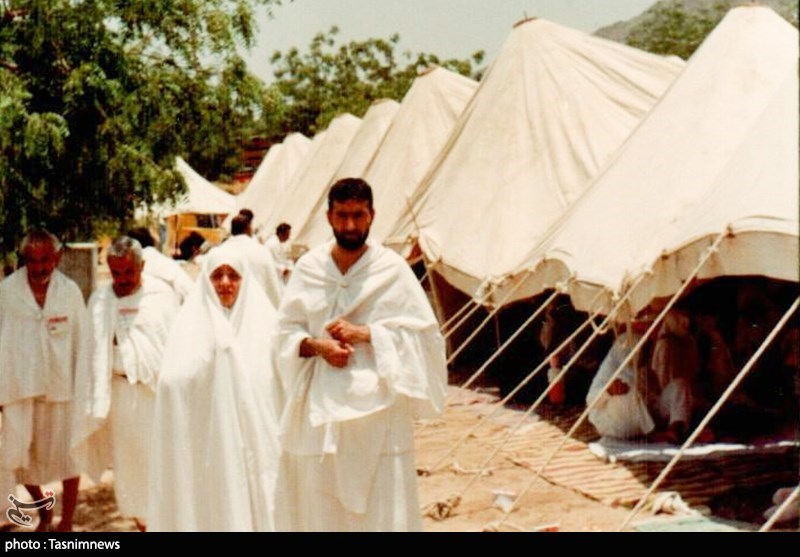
347,433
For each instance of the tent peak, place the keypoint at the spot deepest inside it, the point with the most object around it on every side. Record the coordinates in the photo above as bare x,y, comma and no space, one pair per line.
427,70
524,20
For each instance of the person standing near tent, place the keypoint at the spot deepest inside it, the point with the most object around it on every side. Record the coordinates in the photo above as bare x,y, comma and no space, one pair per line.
278,245
158,265
257,256
130,321
360,356
215,445
44,343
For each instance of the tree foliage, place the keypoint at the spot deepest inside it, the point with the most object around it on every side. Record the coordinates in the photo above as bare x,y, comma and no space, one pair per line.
312,88
672,28
97,97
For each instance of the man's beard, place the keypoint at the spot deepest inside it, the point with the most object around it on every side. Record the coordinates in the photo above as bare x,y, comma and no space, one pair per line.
350,243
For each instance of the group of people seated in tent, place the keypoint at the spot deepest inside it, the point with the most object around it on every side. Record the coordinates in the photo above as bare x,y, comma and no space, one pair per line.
665,389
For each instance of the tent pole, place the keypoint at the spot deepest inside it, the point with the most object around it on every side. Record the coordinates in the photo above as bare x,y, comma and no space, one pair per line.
703,259
713,411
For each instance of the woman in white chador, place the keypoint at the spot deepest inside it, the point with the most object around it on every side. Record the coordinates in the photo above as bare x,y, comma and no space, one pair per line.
215,451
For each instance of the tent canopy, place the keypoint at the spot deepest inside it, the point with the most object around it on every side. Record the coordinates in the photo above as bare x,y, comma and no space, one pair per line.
418,133
360,154
313,176
202,196
718,153
272,176
551,110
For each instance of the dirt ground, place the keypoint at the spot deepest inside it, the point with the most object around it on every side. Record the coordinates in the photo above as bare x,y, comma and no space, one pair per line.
546,504
545,507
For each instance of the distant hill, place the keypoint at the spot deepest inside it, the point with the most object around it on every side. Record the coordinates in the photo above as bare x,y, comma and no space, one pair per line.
619,31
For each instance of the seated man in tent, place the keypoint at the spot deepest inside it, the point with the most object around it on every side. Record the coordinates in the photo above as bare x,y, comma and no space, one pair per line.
653,396
676,366
621,411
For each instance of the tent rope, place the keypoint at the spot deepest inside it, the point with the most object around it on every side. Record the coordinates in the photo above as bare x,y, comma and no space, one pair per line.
488,318
470,313
508,341
778,513
713,411
673,300
447,506
452,319
499,404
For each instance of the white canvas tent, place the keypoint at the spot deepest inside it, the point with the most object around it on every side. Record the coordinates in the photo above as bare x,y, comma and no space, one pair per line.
315,230
313,176
202,197
272,176
551,110
719,153
425,120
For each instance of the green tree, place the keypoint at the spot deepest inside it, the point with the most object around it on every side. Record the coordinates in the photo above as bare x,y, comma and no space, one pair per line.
312,88
97,97
671,27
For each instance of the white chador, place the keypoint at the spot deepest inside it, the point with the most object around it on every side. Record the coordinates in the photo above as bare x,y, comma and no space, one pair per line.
41,351
625,415
259,260
158,265
215,445
347,434
129,337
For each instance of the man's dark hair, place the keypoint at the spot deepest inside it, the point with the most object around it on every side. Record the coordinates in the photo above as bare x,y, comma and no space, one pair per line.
283,228
141,235
247,213
348,189
239,225
190,245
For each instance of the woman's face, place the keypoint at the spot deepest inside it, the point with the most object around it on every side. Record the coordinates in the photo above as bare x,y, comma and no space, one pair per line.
226,282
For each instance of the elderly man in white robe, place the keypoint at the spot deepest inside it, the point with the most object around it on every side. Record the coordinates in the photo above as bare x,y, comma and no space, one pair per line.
360,357
158,265
215,449
44,344
258,258
131,319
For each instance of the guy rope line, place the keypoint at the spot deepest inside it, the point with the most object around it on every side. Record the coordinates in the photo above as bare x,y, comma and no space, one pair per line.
711,250
441,510
508,341
457,314
499,404
488,318
785,505
470,313
713,411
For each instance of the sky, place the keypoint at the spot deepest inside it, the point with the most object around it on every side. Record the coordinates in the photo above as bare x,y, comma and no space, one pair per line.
447,28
